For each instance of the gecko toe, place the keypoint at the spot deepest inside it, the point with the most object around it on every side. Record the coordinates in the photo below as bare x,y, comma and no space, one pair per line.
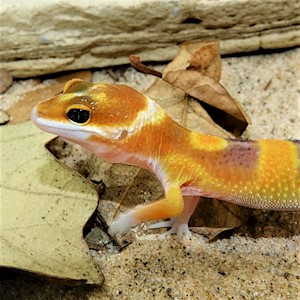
182,231
162,224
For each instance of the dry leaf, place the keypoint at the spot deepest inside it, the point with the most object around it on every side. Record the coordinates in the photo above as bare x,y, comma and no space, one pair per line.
200,56
218,216
44,207
196,70
210,232
21,111
206,89
4,117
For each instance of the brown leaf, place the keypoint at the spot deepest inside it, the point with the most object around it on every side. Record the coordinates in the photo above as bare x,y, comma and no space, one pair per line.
216,213
164,94
213,217
206,89
210,232
199,120
21,111
200,56
196,70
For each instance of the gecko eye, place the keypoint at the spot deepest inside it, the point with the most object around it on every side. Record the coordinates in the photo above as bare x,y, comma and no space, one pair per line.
79,114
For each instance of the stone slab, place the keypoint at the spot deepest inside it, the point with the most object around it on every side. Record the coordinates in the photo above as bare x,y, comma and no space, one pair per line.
43,37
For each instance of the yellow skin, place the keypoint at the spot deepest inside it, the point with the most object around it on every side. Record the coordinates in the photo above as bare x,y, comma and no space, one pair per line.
122,125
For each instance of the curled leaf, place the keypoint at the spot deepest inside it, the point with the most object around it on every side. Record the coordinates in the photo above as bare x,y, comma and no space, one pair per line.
200,56
196,70
206,89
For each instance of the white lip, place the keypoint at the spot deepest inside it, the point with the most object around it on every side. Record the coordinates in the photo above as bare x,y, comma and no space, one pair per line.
41,123
36,119
34,114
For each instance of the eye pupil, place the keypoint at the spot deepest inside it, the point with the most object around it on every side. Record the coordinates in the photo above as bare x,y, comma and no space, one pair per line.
78,115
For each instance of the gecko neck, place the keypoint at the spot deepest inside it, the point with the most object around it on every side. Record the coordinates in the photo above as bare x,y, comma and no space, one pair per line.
154,142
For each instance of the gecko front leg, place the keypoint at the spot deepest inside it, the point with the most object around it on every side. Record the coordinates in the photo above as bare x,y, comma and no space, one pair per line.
168,207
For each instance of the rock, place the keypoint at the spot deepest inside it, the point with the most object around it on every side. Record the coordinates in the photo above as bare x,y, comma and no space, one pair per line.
4,117
5,80
52,36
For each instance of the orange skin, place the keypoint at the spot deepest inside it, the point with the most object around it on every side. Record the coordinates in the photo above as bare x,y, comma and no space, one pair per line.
122,125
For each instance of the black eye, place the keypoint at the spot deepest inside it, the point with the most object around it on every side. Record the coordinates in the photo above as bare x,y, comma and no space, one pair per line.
79,116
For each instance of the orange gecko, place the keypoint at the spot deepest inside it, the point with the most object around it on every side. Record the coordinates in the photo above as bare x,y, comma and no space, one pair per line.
122,125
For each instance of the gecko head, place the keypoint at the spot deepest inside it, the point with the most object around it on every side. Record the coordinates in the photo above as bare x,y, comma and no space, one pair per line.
86,111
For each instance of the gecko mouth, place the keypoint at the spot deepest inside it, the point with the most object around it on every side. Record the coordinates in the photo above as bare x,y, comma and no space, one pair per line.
42,123
73,132
68,131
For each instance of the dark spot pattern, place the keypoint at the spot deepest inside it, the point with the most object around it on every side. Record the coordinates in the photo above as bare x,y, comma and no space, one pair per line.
242,153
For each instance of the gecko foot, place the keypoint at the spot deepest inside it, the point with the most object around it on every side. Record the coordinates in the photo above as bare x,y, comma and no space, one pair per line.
122,224
181,229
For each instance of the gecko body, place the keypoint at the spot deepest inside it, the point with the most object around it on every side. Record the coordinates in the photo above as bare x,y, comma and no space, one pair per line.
122,125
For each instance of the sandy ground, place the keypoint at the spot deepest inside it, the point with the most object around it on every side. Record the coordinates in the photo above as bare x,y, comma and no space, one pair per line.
240,267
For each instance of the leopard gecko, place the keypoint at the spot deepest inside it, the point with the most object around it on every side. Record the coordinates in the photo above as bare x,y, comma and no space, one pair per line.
122,125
